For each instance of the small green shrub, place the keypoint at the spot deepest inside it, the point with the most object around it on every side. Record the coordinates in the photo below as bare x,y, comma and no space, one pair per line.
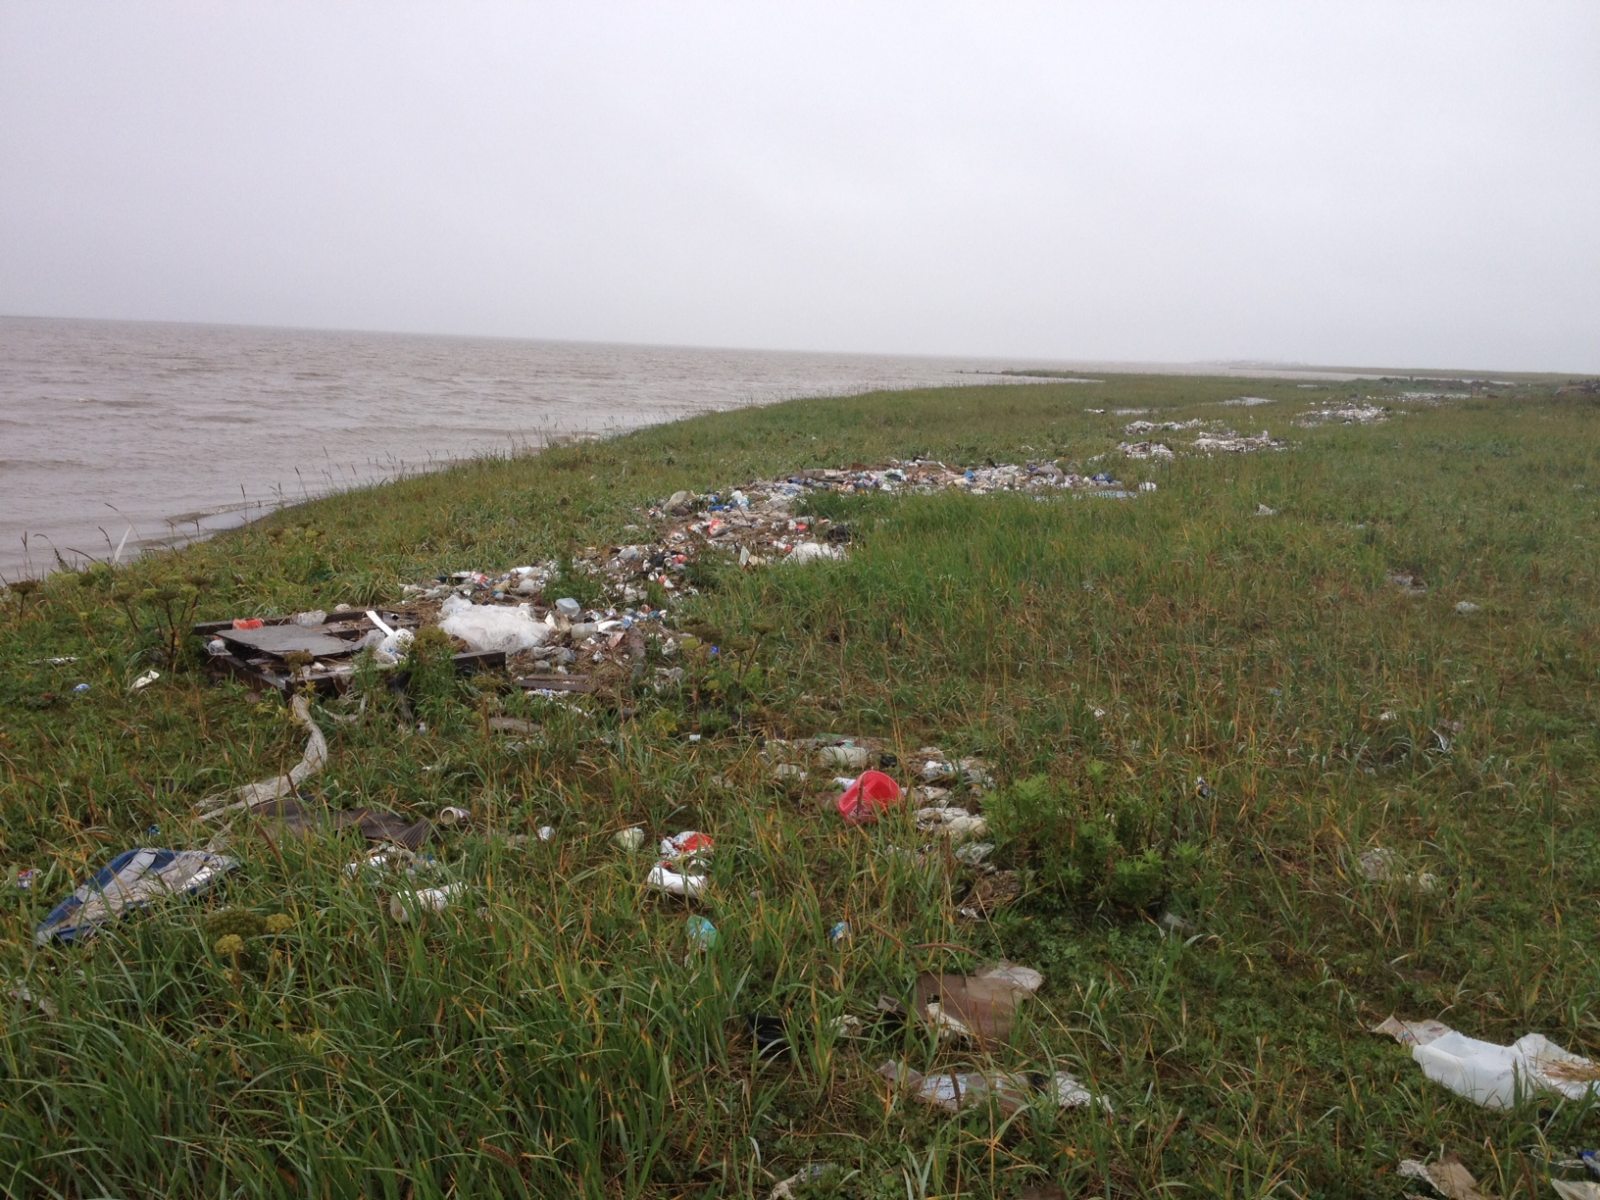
1079,848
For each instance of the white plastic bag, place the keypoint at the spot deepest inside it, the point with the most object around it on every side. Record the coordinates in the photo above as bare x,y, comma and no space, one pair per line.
488,627
1497,1076
809,552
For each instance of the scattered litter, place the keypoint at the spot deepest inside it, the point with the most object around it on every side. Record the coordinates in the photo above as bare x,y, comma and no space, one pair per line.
253,794
866,799
1449,1177
1489,1074
1586,1162
847,755
406,907
144,681
375,825
545,833
513,725
454,816
839,932
1263,511
981,1007
1008,1091
25,878
131,880
629,839
1382,865
23,994
701,932
938,768
388,858
1582,1190
686,844
974,853
771,1034
683,865
990,893
1466,607
815,1173
1171,924
1409,583
1246,402
81,689
956,824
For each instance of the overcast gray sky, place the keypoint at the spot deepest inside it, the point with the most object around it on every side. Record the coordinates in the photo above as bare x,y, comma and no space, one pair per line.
1375,184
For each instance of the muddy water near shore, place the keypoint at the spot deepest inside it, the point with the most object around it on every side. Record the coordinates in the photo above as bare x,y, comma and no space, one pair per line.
138,434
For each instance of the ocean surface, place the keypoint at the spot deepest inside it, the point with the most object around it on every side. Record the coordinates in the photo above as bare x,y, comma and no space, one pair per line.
120,436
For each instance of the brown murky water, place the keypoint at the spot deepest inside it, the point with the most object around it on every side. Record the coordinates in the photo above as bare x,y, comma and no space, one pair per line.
155,432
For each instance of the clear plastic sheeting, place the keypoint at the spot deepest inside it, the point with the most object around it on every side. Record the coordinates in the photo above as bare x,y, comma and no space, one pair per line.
491,627
1008,1091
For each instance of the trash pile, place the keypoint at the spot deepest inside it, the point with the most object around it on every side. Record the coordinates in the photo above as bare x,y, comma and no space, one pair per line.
521,612
1440,397
1145,450
1354,413
318,649
756,522
1228,442
1212,440
1145,428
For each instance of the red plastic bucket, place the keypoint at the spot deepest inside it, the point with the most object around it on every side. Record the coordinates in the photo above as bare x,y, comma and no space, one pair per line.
868,796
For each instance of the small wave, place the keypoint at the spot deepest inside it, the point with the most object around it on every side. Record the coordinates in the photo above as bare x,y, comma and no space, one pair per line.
121,403
39,464
214,418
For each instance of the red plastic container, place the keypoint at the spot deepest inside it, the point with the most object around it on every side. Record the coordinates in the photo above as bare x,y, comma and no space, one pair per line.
868,796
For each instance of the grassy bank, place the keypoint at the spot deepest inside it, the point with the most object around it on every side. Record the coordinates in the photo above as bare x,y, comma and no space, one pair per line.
558,1034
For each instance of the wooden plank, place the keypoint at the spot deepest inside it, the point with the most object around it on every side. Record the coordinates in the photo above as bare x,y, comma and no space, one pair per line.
283,640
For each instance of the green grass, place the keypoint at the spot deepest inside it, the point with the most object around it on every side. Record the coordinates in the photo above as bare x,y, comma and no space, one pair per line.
555,1035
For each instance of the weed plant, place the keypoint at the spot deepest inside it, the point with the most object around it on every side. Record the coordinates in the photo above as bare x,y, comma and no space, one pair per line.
1213,955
